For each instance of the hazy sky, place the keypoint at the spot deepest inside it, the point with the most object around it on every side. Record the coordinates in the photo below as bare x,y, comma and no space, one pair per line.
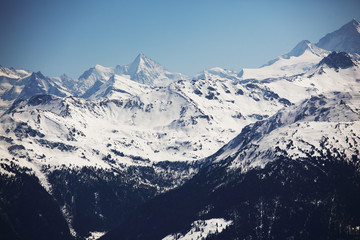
185,36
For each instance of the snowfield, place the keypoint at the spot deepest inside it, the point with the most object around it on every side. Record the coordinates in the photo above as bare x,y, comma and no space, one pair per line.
201,229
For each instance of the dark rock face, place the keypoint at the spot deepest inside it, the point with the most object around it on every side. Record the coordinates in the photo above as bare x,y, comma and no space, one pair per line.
337,60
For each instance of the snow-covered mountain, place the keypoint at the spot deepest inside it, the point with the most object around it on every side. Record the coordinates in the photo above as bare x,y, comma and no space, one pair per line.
37,83
141,126
298,169
142,70
146,71
216,72
93,76
336,72
345,39
300,59
94,149
12,73
11,84
311,128
22,84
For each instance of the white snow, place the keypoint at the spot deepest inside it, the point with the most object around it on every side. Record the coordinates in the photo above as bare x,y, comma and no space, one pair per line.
201,229
337,128
284,67
95,235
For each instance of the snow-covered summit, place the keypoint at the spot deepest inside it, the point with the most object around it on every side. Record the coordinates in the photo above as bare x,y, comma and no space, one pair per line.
300,49
13,73
37,83
146,71
346,39
90,77
300,59
142,70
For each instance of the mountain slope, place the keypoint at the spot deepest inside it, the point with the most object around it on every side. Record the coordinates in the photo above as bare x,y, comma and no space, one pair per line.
295,175
117,87
216,72
336,72
300,59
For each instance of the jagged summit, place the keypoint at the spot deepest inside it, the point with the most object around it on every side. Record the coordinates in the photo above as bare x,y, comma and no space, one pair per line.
346,39
146,71
37,75
338,60
140,64
37,83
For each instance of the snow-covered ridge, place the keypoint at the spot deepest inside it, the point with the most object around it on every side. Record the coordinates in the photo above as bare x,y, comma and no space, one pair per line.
216,72
25,85
13,73
312,128
300,59
142,70
188,120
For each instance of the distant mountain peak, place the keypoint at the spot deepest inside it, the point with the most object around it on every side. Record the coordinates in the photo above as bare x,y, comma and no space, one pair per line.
64,76
353,24
301,47
37,83
142,62
141,55
147,71
345,39
305,46
37,74
355,21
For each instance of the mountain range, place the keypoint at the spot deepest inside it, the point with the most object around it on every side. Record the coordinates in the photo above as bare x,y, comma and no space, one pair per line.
137,152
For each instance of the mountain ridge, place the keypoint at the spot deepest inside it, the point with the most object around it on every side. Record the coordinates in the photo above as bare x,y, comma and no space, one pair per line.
270,153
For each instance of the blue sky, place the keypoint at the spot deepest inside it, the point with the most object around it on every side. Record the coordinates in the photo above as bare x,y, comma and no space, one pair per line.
185,36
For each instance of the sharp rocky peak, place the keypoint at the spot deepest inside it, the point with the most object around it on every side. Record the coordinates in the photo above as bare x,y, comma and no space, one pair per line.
346,38
36,75
338,60
142,62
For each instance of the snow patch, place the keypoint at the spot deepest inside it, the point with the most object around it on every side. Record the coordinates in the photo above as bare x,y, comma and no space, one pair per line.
201,229
95,235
